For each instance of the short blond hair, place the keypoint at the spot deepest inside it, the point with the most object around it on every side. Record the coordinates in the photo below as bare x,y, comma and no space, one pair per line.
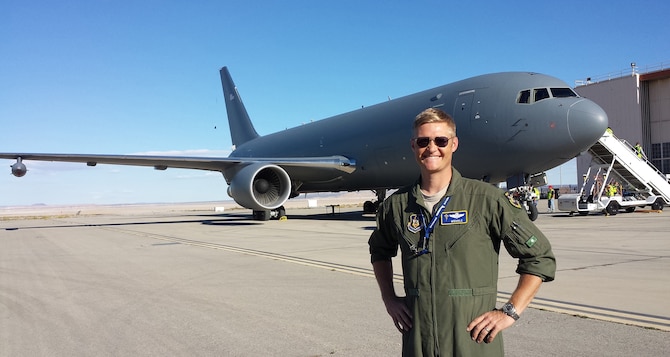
432,115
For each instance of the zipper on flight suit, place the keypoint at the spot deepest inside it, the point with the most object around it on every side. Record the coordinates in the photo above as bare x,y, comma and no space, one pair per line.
433,295
430,246
433,269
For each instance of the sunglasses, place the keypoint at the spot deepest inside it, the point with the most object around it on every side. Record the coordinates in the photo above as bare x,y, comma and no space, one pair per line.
423,141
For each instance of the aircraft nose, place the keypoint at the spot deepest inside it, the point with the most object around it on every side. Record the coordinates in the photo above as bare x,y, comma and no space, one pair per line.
587,122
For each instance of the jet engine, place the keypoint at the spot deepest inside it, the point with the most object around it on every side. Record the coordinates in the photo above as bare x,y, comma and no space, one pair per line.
19,169
260,187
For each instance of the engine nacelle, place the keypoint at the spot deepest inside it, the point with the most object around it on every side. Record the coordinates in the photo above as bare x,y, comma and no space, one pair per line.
260,187
19,169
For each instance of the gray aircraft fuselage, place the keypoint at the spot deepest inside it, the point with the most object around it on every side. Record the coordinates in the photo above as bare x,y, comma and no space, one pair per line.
498,136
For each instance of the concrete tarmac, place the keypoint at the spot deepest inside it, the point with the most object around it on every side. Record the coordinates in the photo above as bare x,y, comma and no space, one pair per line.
185,280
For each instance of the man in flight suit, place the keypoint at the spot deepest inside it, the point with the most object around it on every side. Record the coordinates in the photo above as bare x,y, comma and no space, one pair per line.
449,230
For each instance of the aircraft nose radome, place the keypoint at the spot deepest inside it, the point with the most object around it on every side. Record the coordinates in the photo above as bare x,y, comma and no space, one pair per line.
587,122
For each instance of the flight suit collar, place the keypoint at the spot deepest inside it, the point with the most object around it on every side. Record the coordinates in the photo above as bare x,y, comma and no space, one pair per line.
453,185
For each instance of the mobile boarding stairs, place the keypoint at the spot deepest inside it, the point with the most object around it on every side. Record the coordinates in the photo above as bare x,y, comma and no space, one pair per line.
614,160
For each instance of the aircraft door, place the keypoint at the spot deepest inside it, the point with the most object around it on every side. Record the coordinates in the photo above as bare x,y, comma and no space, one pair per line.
471,128
463,109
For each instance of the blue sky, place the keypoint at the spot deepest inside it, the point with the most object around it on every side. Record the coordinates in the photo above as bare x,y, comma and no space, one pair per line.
134,77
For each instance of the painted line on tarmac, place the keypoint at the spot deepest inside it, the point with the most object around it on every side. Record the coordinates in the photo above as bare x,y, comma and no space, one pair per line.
276,256
565,307
596,312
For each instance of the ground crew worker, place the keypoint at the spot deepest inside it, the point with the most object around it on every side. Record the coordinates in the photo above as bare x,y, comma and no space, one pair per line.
598,184
536,192
611,190
638,149
550,198
450,230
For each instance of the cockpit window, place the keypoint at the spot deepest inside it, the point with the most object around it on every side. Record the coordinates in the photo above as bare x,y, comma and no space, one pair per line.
562,92
524,97
541,93
534,95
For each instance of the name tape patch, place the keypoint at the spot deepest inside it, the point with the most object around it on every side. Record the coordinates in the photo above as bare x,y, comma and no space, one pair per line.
454,217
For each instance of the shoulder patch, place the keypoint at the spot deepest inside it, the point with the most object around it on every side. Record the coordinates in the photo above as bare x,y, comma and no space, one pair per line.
413,225
512,200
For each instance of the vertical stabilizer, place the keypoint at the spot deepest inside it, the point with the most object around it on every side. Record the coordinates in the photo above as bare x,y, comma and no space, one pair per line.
241,128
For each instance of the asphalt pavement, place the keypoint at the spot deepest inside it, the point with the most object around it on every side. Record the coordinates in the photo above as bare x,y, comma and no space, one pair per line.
184,280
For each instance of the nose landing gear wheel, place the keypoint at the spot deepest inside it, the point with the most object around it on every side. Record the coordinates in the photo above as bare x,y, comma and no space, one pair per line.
532,211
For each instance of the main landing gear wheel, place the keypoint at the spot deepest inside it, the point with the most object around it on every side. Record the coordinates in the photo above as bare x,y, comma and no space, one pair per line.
369,207
281,212
263,215
266,215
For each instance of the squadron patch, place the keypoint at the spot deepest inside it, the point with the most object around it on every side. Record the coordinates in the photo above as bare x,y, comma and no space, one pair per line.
414,225
454,217
512,200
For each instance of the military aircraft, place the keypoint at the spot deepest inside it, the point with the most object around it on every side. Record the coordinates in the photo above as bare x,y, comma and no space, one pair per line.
512,126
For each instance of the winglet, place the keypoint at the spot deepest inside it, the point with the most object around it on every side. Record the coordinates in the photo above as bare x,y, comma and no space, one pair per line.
241,128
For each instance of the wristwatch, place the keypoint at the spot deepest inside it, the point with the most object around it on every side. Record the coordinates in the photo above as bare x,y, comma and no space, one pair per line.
510,311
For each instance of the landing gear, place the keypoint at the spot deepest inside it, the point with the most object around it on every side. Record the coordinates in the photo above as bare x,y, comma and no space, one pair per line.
371,207
532,210
525,198
266,215
263,215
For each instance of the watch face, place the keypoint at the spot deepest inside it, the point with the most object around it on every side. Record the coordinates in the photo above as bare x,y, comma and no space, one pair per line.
509,309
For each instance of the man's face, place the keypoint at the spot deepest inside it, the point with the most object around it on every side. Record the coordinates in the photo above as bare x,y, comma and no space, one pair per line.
432,158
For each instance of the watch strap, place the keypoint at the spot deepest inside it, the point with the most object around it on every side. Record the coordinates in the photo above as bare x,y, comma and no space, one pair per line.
509,310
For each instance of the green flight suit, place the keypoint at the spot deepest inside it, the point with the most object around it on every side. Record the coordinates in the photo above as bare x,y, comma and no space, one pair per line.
457,281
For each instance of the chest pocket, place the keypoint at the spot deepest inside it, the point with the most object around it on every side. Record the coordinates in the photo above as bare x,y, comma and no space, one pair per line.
467,256
452,231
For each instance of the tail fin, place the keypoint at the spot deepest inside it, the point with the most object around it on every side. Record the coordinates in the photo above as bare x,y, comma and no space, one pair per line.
241,128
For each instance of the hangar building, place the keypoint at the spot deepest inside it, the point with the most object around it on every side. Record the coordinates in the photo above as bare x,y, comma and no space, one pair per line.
638,107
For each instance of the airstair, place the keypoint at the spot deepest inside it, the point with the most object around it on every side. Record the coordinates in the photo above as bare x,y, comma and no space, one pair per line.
615,160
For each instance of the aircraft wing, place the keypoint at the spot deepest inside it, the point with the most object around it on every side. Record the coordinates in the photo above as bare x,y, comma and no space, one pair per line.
309,166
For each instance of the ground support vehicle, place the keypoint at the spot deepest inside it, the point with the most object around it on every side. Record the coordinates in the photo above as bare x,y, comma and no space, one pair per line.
615,162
